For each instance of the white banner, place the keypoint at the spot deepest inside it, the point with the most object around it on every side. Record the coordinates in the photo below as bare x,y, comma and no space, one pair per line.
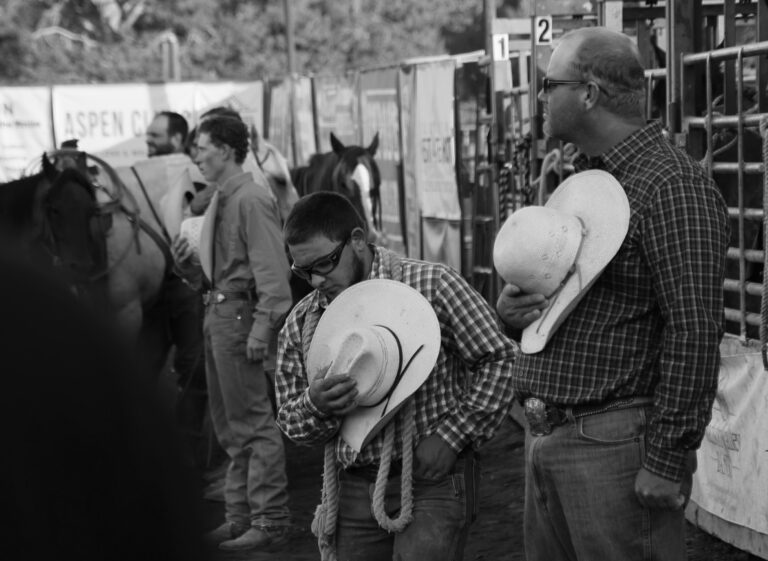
247,98
435,139
732,478
110,120
25,129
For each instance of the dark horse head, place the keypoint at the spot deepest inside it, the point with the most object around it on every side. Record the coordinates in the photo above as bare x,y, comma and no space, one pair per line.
349,170
76,226
22,213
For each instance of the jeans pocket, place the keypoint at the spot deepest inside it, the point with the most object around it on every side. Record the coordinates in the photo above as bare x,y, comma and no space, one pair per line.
233,309
613,427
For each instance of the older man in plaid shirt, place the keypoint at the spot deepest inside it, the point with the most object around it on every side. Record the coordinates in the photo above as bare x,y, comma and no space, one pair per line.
457,409
628,380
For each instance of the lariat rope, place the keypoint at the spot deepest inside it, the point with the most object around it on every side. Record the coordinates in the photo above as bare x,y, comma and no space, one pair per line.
326,514
406,479
764,296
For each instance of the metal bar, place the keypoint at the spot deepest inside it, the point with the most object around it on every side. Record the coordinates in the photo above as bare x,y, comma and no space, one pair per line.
750,255
727,53
748,318
755,214
752,288
752,168
725,121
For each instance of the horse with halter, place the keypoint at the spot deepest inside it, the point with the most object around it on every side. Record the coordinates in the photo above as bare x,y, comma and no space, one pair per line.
351,171
95,238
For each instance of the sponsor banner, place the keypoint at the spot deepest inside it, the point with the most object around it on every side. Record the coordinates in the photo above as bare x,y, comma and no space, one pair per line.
110,120
441,240
379,114
731,481
278,128
407,92
25,130
247,98
306,144
336,110
434,138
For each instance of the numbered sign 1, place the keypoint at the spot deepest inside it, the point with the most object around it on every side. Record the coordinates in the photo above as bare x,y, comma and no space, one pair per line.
500,46
543,30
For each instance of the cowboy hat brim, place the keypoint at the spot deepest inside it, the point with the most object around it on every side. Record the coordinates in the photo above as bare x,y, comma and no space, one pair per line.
599,200
409,315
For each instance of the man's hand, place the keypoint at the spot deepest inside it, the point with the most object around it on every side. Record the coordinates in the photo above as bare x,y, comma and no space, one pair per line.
334,395
517,309
434,458
656,492
181,250
256,350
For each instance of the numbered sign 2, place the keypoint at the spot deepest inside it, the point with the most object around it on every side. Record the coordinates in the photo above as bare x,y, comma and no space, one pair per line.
543,30
500,46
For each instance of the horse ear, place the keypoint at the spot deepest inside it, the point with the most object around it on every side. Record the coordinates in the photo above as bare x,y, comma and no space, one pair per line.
336,144
49,169
374,145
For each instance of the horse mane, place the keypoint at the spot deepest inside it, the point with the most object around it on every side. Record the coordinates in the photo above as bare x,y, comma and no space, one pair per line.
70,175
17,201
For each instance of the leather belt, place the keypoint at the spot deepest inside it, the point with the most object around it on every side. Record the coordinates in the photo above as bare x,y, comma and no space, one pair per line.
219,296
369,472
544,417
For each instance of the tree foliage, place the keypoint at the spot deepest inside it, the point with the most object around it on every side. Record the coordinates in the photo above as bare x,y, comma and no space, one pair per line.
77,41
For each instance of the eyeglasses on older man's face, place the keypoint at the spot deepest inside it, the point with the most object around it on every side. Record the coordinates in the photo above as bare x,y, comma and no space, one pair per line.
548,84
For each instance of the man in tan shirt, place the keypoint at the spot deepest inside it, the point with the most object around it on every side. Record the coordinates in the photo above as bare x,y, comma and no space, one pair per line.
249,296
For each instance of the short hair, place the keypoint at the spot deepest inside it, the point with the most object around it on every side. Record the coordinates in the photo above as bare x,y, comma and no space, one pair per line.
177,124
229,131
612,60
323,213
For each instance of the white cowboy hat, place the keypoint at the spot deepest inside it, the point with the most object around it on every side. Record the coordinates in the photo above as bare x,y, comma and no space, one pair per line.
385,334
560,249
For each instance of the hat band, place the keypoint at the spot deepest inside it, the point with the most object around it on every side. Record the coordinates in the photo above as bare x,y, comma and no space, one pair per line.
400,371
574,268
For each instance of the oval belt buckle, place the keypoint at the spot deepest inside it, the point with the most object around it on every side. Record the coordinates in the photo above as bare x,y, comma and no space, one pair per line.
220,297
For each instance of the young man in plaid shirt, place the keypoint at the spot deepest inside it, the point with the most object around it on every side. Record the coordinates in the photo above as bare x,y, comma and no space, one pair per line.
459,407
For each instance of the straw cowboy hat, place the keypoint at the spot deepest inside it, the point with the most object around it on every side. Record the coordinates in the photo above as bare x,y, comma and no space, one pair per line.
560,249
385,334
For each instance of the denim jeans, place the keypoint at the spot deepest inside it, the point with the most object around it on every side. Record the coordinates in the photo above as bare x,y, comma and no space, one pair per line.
439,519
580,502
255,490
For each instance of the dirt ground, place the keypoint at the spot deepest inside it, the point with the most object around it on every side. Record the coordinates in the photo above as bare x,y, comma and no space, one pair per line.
495,536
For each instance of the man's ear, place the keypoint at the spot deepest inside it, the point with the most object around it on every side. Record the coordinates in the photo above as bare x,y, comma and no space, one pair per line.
177,143
359,237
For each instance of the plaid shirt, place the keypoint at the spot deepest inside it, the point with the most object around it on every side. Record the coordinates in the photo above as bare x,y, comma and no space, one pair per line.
465,397
652,323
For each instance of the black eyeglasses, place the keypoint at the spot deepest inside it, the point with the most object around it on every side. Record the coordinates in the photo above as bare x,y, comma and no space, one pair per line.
322,265
547,84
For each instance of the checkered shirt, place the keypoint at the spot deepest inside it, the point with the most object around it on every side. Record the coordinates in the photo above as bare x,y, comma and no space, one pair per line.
652,323
465,397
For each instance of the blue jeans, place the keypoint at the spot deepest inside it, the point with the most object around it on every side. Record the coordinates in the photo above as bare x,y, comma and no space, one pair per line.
439,519
256,484
580,502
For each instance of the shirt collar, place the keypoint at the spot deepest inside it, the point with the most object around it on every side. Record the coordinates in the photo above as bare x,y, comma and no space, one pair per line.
622,153
234,183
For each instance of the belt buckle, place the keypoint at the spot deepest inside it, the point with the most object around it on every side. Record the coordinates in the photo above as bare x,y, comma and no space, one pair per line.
538,419
220,297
